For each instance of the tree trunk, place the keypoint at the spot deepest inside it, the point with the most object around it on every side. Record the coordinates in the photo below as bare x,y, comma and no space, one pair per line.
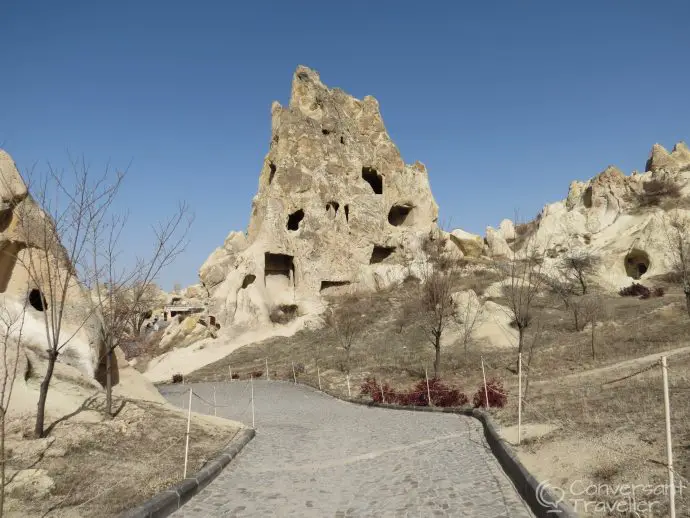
521,341
577,320
594,355
2,460
43,395
437,359
109,382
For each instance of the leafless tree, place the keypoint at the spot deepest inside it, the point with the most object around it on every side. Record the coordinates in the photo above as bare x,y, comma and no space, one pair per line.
346,323
433,298
531,355
593,311
468,315
578,266
123,296
11,329
523,284
73,256
56,228
677,231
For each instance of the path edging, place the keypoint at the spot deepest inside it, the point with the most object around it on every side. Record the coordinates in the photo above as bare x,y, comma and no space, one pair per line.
529,488
168,501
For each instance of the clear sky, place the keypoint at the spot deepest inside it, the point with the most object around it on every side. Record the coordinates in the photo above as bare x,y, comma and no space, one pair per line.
505,102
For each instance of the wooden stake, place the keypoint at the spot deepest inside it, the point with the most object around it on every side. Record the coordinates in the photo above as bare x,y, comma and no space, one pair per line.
266,369
318,374
349,394
294,376
428,392
519,398
669,447
189,421
252,382
214,402
486,392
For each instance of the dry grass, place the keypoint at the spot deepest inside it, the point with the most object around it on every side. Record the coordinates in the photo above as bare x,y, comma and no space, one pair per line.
103,467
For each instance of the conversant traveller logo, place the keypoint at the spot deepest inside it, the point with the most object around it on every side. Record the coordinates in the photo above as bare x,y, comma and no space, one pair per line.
586,497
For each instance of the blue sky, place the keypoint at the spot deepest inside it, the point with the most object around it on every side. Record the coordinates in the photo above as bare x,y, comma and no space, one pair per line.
505,102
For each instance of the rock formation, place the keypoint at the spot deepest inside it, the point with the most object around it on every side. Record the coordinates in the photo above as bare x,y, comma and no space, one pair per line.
337,209
623,219
22,224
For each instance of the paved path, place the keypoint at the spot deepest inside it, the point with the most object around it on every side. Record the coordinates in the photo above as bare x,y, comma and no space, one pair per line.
314,455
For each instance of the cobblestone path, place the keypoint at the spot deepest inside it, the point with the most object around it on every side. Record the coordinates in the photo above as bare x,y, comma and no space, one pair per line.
314,455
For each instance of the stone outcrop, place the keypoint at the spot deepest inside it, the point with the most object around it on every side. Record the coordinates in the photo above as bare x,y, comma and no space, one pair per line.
22,227
336,209
622,218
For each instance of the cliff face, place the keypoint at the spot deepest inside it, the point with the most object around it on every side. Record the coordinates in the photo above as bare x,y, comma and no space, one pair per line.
337,209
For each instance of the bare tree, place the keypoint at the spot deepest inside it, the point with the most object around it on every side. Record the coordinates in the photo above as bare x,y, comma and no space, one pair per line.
56,227
677,231
72,239
468,315
593,311
578,266
433,299
11,329
346,323
522,286
123,296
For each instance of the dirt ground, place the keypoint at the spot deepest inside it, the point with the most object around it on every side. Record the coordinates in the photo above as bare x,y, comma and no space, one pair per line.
89,466
584,429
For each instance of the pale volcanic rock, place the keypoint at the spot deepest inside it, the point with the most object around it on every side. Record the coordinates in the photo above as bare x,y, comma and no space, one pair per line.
621,218
337,210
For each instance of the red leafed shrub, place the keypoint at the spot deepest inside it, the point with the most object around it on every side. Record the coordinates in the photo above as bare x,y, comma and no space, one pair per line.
177,378
257,374
495,391
235,376
372,388
442,395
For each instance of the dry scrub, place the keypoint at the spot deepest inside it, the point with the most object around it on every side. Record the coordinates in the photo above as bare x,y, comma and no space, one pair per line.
101,467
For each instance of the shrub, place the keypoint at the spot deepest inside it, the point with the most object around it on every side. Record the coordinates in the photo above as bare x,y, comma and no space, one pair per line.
299,368
635,290
658,188
442,395
659,291
495,392
257,374
177,378
283,313
235,376
370,387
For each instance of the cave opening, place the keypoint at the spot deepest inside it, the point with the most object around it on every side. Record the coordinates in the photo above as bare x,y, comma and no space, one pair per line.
373,178
295,219
380,253
37,300
637,263
400,215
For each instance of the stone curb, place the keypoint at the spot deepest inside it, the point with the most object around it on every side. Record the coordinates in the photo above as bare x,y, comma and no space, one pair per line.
537,498
165,503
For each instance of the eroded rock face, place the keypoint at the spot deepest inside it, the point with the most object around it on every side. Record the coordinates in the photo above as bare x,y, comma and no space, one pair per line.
336,207
22,223
621,218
